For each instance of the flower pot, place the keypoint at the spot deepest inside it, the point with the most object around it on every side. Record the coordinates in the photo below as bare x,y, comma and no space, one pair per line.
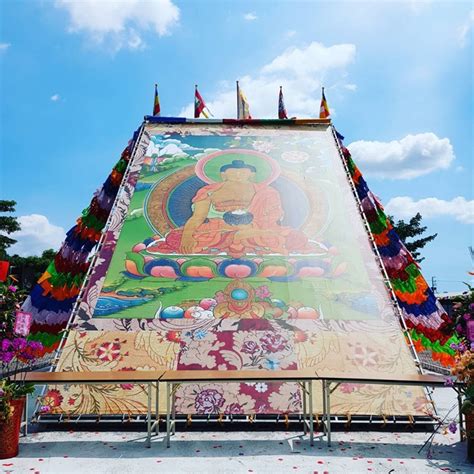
10,430
469,423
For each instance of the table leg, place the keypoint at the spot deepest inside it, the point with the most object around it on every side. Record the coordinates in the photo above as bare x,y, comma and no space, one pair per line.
324,417
25,432
157,408
310,399
168,414
303,383
461,433
328,410
173,406
148,436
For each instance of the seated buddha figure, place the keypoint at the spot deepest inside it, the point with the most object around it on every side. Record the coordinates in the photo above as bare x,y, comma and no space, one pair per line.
235,216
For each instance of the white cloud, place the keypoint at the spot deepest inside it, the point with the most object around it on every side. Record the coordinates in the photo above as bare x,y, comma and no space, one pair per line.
120,22
4,46
36,235
301,72
290,33
417,6
464,31
405,207
412,156
55,97
250,16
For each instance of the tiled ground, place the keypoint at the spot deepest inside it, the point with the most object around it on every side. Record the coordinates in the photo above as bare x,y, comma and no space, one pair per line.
250,451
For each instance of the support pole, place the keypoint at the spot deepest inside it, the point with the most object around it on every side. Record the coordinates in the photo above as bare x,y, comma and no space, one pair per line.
311,427
148,436
168,414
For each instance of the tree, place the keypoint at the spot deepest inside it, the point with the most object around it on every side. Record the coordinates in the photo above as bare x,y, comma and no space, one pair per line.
8,225
411,230
27,270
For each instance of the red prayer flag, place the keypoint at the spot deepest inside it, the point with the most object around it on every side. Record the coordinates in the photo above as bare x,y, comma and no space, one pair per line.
4,266
324,108
156,104
199,105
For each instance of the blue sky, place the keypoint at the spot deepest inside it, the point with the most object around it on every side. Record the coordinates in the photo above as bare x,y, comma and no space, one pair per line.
77,78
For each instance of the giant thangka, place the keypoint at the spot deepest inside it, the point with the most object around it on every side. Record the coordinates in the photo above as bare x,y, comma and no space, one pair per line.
245,247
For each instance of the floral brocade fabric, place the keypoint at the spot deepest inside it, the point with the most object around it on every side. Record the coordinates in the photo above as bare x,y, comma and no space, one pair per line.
232,350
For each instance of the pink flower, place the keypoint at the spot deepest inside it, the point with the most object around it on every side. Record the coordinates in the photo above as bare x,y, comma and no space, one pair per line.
12,288
235,409
250,347
273,342
209,401
263,292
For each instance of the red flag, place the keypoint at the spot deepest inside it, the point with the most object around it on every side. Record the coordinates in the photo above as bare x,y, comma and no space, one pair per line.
324,108
156,104
199,105
4,265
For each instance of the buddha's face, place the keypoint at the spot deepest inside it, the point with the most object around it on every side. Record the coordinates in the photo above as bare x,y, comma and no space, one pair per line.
239,175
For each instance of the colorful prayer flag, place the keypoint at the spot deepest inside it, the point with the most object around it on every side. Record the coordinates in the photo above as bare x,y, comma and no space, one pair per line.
199,105
340,138
156,104
243,111
281,106
324,109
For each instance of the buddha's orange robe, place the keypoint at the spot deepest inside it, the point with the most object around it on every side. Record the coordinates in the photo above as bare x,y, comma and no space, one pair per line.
215,236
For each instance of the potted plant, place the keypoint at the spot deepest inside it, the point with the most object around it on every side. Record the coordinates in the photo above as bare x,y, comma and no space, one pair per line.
17,355
463,369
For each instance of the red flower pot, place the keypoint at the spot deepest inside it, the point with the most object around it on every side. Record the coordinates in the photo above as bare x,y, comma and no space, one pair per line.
10,430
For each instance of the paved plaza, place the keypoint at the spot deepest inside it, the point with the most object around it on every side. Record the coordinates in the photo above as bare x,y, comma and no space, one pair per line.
380,451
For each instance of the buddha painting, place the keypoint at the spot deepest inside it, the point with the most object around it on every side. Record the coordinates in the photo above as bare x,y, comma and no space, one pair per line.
235,216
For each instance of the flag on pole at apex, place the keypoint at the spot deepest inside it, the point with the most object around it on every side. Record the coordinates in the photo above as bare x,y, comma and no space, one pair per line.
156,103
243,111
281,106
324,108
199,106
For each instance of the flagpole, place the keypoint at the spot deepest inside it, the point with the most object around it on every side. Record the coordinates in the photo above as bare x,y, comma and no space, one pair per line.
238,101
195,91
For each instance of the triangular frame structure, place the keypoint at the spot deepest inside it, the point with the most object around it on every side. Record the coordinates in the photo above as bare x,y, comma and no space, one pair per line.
56,300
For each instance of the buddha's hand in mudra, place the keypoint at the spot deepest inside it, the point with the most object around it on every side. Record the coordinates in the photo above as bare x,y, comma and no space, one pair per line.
187,243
